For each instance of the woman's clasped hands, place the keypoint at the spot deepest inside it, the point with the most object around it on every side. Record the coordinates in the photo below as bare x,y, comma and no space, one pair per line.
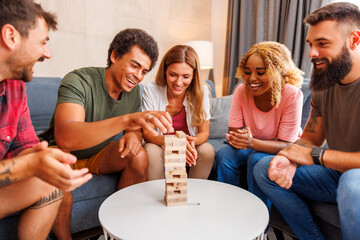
240,138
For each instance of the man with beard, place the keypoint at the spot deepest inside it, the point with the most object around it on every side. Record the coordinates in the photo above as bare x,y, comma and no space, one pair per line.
31,175
306,170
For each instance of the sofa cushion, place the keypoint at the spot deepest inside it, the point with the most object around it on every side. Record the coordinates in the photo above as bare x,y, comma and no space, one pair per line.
306,104
98,186
42,96
220,109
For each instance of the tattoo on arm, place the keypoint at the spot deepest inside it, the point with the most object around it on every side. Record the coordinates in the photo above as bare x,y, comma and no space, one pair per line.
311,125
5,173
55,196
303,144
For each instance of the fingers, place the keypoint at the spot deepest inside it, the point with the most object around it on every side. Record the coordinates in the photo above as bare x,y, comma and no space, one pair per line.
40,146
190,138
235,142
285,181
61,156
274,174
121,144
77,182
74,179
241,138
191,156
189,160
161,120
126,151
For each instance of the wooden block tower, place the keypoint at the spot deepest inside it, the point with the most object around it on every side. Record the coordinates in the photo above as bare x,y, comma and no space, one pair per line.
175,169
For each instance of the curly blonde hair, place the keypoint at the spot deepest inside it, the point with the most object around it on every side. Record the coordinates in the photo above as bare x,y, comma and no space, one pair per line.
195,92
279,67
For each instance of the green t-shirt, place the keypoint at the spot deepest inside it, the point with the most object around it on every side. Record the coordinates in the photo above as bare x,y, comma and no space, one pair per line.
87,87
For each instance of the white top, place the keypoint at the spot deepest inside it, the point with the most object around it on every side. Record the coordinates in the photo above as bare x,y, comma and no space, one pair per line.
215,210
155,98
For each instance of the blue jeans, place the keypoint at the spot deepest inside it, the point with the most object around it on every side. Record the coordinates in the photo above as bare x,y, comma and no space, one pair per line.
316,183
228,161
348,199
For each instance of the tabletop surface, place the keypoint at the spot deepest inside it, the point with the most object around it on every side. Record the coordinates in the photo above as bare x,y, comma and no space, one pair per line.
214,211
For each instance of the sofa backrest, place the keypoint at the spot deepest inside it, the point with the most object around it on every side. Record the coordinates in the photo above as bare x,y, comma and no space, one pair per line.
42,97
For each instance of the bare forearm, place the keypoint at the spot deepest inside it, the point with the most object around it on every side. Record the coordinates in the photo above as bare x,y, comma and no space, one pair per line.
341,161
269,146
13,170
78,135
201,138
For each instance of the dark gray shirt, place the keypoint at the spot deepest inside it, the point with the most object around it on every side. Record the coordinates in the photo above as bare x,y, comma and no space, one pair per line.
339,106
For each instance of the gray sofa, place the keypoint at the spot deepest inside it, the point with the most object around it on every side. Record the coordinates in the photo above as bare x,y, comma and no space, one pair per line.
42,95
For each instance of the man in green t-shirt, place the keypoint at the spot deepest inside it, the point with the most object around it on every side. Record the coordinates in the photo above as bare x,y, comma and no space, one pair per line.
95,104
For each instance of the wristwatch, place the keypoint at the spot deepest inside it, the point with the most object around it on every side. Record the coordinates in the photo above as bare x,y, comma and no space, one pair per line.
316,154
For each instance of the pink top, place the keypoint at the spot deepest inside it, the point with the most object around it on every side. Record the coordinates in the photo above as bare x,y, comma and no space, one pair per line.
179,122
281,122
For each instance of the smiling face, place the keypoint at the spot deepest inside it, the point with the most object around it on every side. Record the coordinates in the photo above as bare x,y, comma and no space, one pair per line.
178,78
255,77
130,69
329,55
32,49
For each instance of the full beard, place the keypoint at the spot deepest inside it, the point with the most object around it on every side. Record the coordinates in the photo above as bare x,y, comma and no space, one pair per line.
334,72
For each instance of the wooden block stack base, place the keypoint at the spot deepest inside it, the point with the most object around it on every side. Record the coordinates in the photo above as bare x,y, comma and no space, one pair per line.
175,169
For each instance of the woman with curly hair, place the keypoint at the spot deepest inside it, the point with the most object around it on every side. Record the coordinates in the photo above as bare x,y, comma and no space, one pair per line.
179,91
265,112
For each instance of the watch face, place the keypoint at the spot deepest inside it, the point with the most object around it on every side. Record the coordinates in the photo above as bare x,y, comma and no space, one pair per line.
316,151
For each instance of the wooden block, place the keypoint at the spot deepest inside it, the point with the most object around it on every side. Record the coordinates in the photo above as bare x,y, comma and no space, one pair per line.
176,176
172,149
175,168
180,134
176,185
180,158
176,197
167,164
175,204
173,188
175,172
175,180
176,191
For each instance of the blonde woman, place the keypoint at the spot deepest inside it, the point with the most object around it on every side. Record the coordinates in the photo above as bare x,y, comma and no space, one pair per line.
265,113
179,91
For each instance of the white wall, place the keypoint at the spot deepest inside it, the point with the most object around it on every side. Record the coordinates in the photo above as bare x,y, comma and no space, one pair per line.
86,28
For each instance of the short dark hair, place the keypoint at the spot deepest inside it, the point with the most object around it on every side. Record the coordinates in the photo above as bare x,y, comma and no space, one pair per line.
126,39
345,13
23,14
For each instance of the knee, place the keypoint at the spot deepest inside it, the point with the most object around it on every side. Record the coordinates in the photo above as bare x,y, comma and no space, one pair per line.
139,162
349,189
260,169
220,156
206,152
255,157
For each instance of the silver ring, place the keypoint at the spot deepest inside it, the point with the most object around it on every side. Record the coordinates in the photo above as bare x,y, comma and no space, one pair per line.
149,117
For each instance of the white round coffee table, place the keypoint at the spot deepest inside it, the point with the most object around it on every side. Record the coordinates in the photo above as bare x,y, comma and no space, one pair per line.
215,211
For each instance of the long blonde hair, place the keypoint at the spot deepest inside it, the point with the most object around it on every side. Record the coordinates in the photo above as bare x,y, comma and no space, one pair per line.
279,67
194,93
